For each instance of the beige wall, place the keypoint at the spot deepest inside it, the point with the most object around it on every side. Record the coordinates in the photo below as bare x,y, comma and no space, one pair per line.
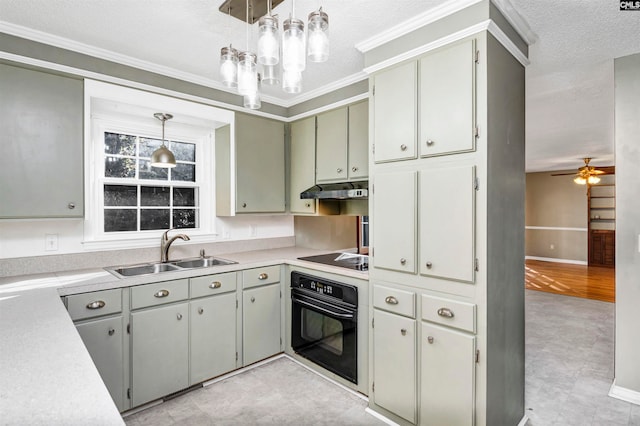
555,202
326,232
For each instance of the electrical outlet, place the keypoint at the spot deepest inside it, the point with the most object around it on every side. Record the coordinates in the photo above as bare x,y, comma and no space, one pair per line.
50,242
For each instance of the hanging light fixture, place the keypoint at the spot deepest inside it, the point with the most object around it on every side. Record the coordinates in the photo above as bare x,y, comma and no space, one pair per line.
162,157
318,38
229,66
271,74
247,73
268,46
252,100
293,45
292,81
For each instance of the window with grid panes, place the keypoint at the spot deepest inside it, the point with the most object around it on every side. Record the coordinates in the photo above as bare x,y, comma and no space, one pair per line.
138,197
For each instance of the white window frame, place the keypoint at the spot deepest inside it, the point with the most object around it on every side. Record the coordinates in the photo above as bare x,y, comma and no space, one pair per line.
130,111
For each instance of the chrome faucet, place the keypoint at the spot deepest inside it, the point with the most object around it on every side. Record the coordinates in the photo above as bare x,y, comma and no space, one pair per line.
165,243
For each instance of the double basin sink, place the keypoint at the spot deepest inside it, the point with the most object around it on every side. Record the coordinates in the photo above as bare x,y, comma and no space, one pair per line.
175,265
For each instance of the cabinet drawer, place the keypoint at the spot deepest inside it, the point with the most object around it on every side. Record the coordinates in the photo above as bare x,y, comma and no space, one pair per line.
394,300
159,293
260,276
212,284
449,312
95,304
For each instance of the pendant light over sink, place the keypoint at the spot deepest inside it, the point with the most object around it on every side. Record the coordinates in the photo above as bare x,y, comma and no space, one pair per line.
162,157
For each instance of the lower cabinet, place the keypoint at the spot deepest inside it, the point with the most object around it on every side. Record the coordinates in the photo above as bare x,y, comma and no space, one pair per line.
394,364
160,352
103,339
447,378
261,323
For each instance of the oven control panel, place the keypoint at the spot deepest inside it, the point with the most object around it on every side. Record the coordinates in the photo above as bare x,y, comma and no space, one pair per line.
344,292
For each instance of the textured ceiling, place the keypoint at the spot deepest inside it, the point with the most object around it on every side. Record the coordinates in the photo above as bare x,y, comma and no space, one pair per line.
569,82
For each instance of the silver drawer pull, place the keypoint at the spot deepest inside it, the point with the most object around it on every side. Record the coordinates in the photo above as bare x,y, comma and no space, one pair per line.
354,169
391,300
111,331
96,304
215,284
162,293
263,276
179,316
403,331
430,142
403,261
71,206
253,299
403,147
200,311
339,170
429,265
430,339
445,312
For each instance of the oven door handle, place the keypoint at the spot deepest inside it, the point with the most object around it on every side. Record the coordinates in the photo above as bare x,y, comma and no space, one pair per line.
321,309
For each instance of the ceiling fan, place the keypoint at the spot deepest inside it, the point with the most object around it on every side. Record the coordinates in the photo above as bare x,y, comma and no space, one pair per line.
589,174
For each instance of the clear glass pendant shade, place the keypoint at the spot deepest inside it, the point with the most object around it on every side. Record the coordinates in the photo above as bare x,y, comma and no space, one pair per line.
253,100
292,81
271,74
293,45
247,73
268,44
229,66
318,37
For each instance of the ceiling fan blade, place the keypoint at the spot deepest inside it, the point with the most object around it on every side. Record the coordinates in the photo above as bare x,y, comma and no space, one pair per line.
563,174
607,170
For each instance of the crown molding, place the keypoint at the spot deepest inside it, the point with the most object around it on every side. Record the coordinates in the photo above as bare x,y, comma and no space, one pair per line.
331,87
519,24
508,44
328,107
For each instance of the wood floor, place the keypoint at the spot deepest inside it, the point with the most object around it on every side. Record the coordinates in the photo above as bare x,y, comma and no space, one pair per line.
589,282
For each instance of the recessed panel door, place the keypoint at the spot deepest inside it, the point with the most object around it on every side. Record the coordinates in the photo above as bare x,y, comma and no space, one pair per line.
331,146
261,323
303,164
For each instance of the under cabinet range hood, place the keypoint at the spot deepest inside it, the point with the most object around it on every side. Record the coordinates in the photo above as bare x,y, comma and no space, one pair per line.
337,191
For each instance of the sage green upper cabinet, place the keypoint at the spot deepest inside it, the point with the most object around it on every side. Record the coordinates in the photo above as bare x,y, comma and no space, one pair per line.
303,156
358,167
331,145
447,115
41,116
394,113
260,171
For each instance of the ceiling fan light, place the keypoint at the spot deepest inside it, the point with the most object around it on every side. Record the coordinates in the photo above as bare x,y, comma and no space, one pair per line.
318,42
293,45
229,66
292,82
247,73
580,180
592,180
268,45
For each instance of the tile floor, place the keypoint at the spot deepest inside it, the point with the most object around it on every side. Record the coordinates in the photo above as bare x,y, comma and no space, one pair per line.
569,363
278,393
569,369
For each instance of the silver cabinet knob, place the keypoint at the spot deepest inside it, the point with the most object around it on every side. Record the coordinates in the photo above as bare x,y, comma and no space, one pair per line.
263,276
430,142
391,300
253,299
215,284
308,205
111,331
71,206
429,265
403,331
179,316
430,339
403,261
162,293
445,312
244,204
403,147
200,311
339,170
97,304
354,169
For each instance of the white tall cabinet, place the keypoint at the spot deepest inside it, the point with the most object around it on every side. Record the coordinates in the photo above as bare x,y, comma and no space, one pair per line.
447,242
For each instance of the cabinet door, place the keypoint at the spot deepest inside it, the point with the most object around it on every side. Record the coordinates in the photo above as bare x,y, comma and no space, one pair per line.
213,336
41,116
447,114
160,352
303,164
104,341
394,217
261,323
447,380
358,141
394,113
394,364
331,146
447,216
260,177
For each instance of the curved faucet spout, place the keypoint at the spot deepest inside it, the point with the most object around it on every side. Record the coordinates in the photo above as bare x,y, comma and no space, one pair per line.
165,244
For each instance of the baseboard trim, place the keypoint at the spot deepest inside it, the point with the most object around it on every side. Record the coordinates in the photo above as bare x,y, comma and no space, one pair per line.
524,420
624,394
556,260
380,417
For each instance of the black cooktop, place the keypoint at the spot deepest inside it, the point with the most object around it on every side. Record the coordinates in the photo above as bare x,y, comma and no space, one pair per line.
353,261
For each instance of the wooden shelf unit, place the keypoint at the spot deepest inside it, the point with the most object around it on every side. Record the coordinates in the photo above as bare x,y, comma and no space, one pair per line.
601,208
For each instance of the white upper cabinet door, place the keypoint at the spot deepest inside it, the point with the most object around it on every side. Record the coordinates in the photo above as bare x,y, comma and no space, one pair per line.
358,141
331,146
447,218
394,218
394,113
447,379
303,164
447,113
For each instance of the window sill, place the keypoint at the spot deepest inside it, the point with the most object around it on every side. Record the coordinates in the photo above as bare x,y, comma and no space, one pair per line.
143,242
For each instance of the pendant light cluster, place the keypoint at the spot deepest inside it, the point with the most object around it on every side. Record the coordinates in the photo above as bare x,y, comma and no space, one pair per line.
281,58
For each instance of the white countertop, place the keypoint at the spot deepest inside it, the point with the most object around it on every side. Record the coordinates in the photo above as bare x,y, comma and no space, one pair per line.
46,374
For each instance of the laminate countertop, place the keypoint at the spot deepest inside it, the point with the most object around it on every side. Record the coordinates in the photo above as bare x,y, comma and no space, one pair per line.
46,374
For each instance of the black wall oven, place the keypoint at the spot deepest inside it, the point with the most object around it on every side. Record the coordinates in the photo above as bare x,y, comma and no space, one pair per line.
324,319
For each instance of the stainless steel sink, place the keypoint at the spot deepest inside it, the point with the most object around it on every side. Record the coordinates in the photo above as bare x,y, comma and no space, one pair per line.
176,265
